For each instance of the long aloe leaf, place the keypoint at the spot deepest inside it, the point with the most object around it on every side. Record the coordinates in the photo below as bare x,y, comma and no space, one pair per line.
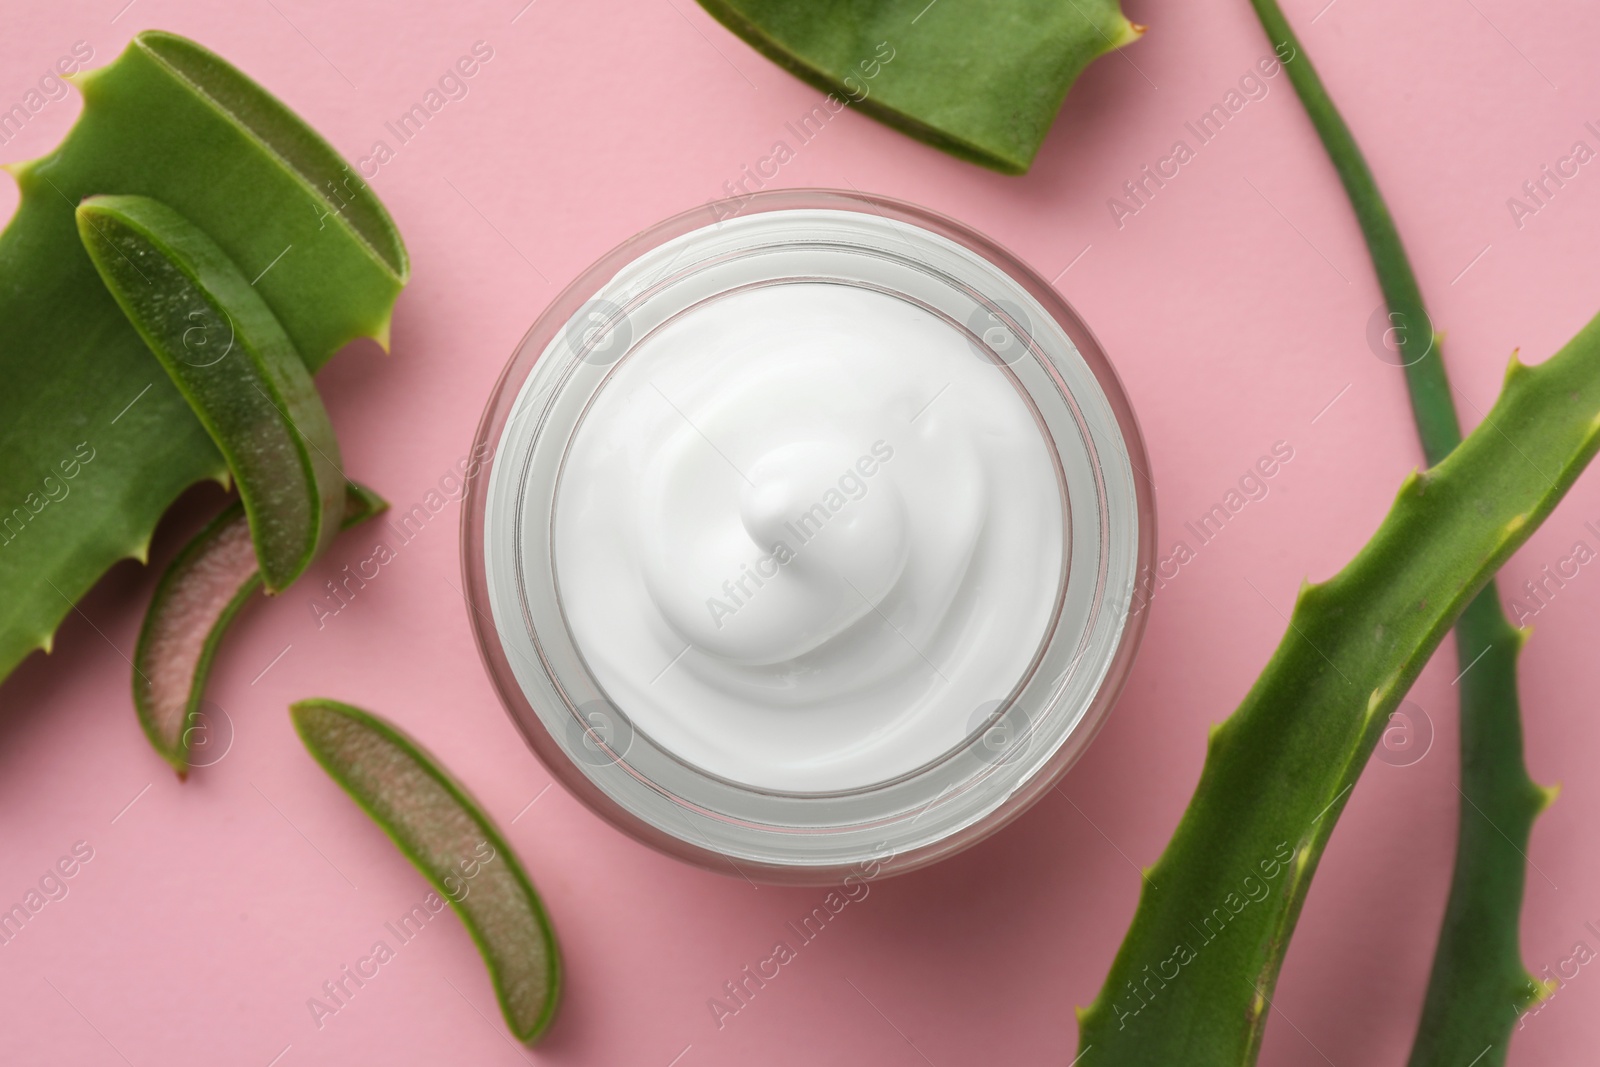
1193,980
980,81
442,830
1477,968
224,350
170,120
199,594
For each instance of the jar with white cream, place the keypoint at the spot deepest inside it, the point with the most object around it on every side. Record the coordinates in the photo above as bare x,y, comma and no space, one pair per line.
810,537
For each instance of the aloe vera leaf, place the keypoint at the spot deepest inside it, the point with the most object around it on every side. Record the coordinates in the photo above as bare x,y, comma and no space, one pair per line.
200,592
170,120
226,353
442,830
1477,966
1478,985
1193,980
982,82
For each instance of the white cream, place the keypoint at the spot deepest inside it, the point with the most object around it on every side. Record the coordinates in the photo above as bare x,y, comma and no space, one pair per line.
810,536
807,538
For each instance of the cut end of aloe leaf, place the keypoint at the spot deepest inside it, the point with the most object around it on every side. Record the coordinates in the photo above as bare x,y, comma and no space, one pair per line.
312,158
360,504
202,590
230,358
455,845
982,82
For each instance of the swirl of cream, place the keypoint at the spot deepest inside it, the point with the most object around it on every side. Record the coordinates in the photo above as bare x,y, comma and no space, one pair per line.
804,532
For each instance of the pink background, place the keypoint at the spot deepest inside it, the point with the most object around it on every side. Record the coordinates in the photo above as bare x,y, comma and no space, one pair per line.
1235,307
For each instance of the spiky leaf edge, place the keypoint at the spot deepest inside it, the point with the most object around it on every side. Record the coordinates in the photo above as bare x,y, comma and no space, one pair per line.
296,151
1450,528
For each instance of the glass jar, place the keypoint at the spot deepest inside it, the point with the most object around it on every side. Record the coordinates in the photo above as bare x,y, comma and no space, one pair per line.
677,774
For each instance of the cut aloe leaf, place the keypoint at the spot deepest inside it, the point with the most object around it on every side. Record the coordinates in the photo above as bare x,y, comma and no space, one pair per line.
97,441
445,833
981,81
202,590
229,357
1193,982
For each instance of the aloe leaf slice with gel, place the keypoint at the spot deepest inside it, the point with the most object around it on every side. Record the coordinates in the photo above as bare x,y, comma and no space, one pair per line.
1193,981
442,830
171,120
229,357
203,588
982,81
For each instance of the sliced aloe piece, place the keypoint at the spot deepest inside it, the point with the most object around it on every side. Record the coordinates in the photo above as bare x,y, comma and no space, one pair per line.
202,590
982,81
229,357
442,830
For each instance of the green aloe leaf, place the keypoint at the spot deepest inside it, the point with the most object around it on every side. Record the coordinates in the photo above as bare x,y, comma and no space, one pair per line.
170,120
224,350
442,830
1477,966
199,594
1193,980
980,81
